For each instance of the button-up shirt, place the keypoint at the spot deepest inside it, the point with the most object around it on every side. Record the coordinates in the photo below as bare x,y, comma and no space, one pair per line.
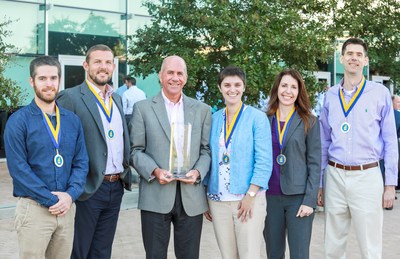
130,97
174,110
372,134
177,121
30,155
115,146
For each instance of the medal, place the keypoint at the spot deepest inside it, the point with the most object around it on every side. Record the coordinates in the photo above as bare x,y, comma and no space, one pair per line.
347,107
110,134
55,135
58,160
225,158
282,133
345,127
228,131
281,159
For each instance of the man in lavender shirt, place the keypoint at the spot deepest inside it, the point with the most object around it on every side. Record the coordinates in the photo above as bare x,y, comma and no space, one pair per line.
357,130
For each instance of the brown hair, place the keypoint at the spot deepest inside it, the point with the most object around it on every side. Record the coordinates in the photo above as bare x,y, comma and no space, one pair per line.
44,61
355,41
231,71
302,103
94,48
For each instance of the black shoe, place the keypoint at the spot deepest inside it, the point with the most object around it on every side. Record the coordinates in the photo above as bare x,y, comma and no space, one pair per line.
390,208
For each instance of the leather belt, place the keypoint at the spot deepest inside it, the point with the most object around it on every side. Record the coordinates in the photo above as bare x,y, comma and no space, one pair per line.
353,167
111,178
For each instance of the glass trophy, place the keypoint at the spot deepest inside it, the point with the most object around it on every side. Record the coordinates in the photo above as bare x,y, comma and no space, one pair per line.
179,159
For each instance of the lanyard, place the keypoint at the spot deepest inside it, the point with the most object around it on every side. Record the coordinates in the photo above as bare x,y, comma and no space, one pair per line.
347,107
53,132
228,131
281,134
108,113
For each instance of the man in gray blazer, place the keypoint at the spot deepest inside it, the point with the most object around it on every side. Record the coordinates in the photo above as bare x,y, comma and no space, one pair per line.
164,199
107,142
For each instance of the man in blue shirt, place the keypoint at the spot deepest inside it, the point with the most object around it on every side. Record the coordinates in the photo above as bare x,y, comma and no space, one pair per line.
122,89
47,159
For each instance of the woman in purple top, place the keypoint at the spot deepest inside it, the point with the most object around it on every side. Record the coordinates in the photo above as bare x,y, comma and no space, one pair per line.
293,186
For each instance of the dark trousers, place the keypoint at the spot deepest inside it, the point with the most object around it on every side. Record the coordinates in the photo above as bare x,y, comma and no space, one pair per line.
128,118
96,222
281,219
156,229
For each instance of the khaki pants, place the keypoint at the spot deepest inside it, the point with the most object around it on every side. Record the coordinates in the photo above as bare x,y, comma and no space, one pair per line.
353,197
42,235
236,239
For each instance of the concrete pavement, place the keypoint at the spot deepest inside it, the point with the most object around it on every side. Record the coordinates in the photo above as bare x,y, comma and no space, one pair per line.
128,240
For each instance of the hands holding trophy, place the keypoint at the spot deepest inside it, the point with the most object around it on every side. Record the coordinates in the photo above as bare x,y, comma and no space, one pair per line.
179,160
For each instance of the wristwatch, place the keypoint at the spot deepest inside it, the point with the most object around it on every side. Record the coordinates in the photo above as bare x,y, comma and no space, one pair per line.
251,194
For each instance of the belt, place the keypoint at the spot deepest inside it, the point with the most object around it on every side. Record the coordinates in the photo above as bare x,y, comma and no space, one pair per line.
111,178
353,167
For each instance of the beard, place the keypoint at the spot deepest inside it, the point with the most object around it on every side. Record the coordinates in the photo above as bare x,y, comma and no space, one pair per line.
97,80
44,97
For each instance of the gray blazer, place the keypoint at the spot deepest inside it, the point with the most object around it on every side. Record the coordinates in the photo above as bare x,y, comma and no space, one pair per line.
301,172
150,139
79,100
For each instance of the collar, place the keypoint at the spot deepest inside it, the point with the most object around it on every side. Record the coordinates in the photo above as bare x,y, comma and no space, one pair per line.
168,102
109,89
36,110
347,92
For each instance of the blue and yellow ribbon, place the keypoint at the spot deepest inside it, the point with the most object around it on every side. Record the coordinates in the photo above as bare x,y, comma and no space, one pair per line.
281,134
107,112
229,129
347,107
53,132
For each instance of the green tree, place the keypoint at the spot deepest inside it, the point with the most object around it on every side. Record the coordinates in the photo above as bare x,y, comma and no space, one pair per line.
378,23
259,36
10,93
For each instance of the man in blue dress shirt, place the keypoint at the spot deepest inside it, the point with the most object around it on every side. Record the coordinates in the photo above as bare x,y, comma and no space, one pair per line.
47,159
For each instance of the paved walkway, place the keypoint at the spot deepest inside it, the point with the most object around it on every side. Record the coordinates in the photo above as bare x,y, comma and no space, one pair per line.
128,240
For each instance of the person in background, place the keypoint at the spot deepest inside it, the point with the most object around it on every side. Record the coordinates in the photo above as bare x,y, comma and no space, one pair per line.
357,130
121,90
130,97
319,101
107,142
396,107
293,187
47,159
240,169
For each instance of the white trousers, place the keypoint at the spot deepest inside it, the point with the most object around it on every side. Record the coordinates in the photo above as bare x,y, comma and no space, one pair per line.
353,197
238,239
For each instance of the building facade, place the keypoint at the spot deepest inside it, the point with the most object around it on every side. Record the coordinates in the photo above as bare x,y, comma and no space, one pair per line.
65,29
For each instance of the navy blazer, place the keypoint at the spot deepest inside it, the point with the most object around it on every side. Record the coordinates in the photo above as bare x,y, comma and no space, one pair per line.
301,172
